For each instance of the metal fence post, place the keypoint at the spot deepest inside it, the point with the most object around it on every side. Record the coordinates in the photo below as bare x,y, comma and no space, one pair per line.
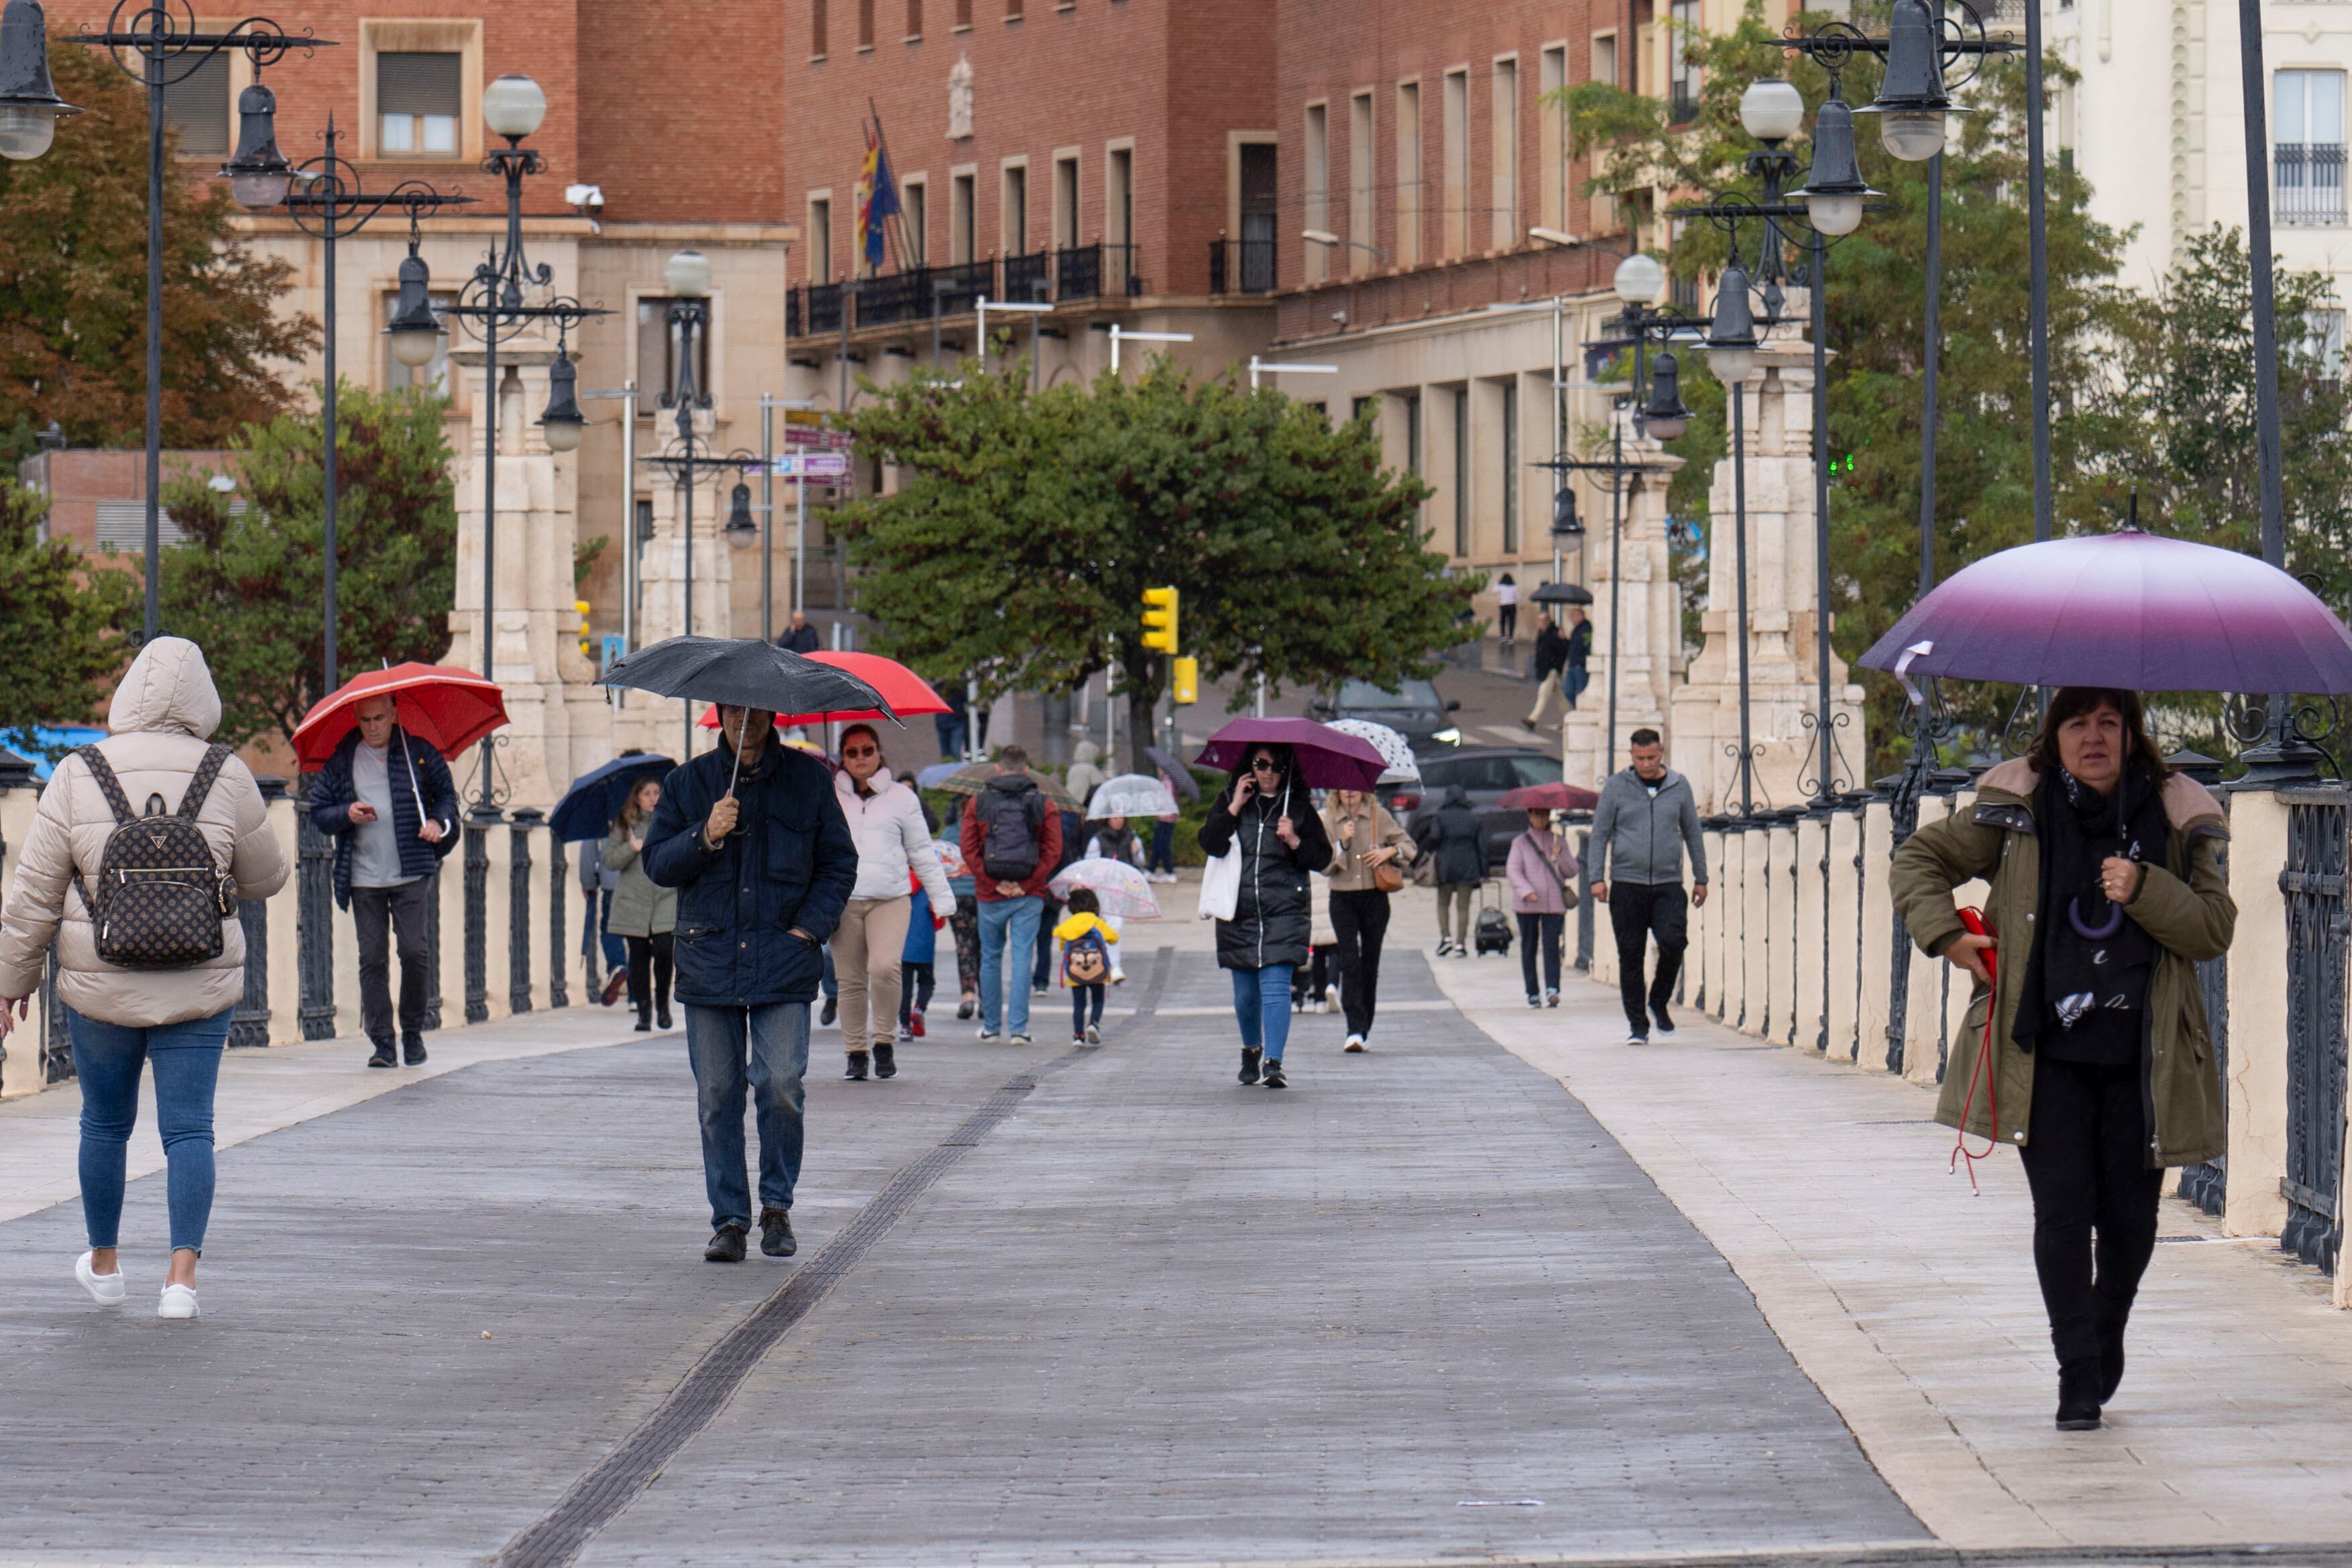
15,773
524,819
1584,900
559,866
314,919
57,1046
479,823
432,950
250,1026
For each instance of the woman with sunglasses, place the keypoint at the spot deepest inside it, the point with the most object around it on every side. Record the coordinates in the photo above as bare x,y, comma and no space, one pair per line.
885,818
1269,815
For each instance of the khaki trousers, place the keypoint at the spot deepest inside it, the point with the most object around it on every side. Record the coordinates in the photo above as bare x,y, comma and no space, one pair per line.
867,946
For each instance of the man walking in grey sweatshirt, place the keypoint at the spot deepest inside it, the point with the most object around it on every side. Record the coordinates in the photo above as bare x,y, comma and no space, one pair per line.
1646,818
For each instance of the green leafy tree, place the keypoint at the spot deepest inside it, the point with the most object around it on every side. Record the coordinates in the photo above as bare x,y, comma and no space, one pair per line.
1876,305
73,251
248,585
1025,528
60,625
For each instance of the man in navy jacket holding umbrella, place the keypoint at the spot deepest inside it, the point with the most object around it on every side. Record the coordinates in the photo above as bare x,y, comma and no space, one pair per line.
752,837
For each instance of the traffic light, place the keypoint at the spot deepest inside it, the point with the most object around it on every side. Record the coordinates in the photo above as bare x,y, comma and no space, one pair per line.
1160,619
587,643
1185,682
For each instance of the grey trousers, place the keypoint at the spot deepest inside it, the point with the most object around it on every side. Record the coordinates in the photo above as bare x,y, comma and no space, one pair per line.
388,917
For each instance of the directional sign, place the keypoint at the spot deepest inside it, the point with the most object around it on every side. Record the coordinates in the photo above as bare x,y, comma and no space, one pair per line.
809,466
811,438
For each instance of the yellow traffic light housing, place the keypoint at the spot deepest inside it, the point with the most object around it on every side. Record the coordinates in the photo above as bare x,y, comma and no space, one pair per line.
580,607
1160,619
1184,683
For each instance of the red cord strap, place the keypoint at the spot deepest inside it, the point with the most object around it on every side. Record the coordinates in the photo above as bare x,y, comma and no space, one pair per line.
1973,919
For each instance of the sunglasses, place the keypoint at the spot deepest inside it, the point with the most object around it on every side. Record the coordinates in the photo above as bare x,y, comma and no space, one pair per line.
861,750
1266,765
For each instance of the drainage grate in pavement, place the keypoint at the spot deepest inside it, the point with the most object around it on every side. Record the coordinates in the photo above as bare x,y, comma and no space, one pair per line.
598,1498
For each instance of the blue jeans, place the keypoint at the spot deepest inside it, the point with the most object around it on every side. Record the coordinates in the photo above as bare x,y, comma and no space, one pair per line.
1007,926
779,1042
187,1059
1163,847
1262,1007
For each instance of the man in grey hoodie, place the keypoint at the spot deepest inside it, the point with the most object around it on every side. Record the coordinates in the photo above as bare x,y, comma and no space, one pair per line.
1646,818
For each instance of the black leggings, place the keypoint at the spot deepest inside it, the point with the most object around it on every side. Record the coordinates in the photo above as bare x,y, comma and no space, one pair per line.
1507,618
915,986
650,958
1360,921
2086,1162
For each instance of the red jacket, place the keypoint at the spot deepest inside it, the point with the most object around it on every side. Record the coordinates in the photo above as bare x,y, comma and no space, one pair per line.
1049,854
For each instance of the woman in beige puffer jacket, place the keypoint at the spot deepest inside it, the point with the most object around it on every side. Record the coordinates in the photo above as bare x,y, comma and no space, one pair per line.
175,1018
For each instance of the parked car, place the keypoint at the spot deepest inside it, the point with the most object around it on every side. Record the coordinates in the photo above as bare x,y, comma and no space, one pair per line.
1414,709
1487,773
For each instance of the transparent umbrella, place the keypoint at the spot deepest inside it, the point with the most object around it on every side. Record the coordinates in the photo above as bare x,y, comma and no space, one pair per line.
1131,794
1120,887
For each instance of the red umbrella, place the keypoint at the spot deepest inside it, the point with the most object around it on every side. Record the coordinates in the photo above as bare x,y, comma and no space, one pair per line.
1548,797
447,707
901,688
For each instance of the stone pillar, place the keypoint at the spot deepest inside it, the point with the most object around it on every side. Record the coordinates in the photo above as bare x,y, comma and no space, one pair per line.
1651,635
1783,678
2256,1081
560,723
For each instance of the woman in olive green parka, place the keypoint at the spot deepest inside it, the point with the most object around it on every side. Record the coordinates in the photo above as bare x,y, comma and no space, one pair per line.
2109,1077
643,915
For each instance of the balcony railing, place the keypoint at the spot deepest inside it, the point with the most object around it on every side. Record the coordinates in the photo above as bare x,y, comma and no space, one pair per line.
958,288
1071,273
1241,267
2307,180
1029,279
895,296
824,307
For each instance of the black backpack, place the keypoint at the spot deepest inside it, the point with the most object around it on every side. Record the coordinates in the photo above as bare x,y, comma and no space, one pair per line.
160,896
1009,824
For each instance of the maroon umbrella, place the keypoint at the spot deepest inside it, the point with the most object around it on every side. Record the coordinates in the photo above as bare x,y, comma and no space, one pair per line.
2130,610
1325,758
1553,797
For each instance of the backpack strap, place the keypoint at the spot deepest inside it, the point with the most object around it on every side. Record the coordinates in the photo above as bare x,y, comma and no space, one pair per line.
201,784
108,785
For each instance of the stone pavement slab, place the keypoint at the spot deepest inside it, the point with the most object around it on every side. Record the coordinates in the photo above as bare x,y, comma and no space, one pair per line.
1419,1306
1913,1305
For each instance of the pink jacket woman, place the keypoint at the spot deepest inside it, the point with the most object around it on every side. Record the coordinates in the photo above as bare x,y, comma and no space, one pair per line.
1535,891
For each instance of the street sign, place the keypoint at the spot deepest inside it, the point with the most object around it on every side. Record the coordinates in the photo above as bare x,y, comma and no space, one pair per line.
811,438
810,465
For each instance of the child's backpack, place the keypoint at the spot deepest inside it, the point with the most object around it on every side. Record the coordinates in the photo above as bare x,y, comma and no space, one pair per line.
1085,960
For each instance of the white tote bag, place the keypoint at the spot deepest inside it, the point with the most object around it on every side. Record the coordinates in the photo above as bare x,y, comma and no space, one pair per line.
1221,884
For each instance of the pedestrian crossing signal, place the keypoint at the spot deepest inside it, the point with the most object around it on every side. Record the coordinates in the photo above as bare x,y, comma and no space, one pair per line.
1160,619
1184,683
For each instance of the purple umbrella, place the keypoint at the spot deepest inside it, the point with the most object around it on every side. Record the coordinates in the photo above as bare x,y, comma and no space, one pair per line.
1325,759
2135,611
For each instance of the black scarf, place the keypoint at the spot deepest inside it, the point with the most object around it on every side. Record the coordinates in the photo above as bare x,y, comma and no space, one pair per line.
2083,978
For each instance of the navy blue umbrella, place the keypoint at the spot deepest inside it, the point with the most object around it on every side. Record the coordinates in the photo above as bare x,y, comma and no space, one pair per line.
595,798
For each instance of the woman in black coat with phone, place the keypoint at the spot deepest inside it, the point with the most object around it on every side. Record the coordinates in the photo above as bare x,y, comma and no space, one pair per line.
1281,839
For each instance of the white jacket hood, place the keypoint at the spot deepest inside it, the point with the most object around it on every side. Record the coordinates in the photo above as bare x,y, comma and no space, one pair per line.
168,691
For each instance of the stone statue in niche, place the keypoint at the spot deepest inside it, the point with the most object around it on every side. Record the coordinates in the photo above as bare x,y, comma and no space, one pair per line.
960,99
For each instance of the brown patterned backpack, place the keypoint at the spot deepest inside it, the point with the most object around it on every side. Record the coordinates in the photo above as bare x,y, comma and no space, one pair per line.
160,896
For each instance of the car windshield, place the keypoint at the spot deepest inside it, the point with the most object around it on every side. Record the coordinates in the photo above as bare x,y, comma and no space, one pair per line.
1411,694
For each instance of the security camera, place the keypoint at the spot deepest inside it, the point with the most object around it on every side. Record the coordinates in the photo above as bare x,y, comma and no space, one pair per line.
586,198
1340,317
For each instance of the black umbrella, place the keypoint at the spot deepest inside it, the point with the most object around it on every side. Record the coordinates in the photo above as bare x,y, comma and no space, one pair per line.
1178,774
1563,593
744,672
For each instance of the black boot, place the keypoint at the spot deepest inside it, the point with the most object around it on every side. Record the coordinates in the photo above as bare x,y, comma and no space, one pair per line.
383,1057
886,1060
857,1073
2111,1359
1274,1078
1250,1055
411,1046
644,1020
2078,1396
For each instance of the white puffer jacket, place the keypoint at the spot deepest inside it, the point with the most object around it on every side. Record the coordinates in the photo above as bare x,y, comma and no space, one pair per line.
892,840
162,713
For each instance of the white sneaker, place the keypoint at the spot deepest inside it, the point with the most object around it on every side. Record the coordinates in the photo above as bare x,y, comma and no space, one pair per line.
179,1301
1093,1035
1355,1042
106,1289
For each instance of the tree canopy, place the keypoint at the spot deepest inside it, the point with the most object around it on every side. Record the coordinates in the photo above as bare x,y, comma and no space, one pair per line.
62,624
73,254
1025,528
248,584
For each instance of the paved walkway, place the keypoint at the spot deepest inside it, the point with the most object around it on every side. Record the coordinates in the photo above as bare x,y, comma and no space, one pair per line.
1501,1290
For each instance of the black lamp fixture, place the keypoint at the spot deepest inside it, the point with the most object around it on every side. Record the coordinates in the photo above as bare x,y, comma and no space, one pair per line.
562,424
1731,335
1912,100
1835,190
414,330
1566,526
258,173
1663,416
29,105
740,528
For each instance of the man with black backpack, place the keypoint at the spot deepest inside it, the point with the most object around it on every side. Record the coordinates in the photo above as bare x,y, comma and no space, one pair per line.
388,801
1012,841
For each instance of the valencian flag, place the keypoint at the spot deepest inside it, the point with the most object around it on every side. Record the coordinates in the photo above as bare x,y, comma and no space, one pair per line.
877,198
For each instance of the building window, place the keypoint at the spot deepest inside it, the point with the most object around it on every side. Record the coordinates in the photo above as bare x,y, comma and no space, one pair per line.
1462,473
1119,218
433,377
1604,58
1551,177
963,14
865,24
962,224
820,239
2307,146
1509,414
1066,203
1683,72
1457,162
1504,202
1015,225
914,20
1318,188
2323,340
1012,10
657,354
816,30
914,200
1366,409
1408,174
1362,219
1258,216
418,101
198,109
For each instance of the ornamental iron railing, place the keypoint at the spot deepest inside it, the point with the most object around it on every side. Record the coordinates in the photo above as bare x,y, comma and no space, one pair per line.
2307,183
524,819
2313,885
477,915
559,899
314,919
